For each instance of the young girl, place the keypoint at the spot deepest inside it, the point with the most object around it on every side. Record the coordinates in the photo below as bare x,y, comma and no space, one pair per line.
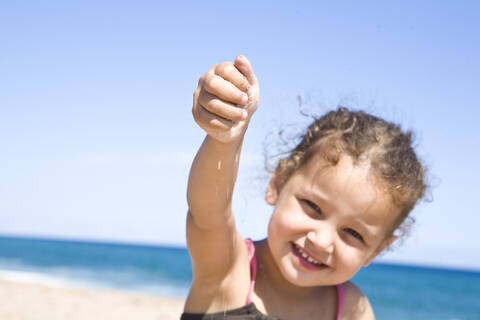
338,197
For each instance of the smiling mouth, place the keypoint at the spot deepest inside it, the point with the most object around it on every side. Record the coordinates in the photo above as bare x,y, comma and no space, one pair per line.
306,260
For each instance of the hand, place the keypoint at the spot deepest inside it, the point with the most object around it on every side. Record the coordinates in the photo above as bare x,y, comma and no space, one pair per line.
225,100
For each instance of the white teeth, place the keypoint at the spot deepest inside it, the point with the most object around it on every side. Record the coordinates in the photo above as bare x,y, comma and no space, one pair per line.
307,257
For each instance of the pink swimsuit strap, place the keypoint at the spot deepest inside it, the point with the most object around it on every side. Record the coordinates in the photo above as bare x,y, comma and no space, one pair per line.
253,274
340,300
253,266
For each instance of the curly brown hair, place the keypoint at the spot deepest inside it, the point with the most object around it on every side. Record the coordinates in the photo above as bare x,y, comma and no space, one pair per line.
364,137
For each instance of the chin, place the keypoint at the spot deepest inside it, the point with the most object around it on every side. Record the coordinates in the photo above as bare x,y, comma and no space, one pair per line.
301,278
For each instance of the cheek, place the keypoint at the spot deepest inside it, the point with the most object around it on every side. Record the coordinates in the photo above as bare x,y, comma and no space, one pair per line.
276,226
286,222
351,259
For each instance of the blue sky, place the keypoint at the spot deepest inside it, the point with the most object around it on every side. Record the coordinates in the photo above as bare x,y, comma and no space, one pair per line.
96,134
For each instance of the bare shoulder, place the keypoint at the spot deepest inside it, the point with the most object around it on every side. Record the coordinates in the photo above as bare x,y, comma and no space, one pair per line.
356,305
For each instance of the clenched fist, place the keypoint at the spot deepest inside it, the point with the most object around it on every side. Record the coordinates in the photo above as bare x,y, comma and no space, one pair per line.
225,99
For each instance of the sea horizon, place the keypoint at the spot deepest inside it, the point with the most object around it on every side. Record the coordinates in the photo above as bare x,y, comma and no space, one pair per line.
396,291
147,244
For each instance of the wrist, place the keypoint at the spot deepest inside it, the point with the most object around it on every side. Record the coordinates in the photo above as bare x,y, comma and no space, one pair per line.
224,146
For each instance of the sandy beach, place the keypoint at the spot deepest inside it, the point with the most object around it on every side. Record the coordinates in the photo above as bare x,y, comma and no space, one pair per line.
38,301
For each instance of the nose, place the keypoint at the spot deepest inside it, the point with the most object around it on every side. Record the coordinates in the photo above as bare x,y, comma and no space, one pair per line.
322,239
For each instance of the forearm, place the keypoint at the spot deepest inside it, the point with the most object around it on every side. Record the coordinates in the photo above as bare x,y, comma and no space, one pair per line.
211,183
223,103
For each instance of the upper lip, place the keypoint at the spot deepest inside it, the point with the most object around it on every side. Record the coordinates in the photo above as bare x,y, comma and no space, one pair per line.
309,253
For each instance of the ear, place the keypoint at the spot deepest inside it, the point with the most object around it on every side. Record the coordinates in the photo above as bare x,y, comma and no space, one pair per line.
271,195
275,184
385,244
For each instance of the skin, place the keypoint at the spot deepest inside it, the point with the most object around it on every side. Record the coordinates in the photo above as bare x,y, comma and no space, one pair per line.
224,102
336,215
218,108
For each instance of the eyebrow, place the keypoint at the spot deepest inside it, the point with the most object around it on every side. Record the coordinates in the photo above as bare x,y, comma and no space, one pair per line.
317,195
365,231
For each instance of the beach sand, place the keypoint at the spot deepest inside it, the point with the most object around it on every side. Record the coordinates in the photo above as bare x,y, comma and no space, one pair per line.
36,301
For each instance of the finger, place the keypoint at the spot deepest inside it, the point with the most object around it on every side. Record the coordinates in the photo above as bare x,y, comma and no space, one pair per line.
244,66
209,121
230,73
224,89
221,108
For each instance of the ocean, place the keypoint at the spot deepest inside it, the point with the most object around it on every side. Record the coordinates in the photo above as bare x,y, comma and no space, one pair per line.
395,291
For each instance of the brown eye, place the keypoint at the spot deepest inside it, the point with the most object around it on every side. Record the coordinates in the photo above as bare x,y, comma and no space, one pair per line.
355,234
313,206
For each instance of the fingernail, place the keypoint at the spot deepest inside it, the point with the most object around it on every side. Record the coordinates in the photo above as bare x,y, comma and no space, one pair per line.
244,114
250,91
244,98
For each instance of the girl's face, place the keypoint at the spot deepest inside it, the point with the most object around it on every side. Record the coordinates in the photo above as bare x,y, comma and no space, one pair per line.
328,222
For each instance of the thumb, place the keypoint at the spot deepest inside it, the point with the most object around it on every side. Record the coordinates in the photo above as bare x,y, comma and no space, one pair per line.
244,66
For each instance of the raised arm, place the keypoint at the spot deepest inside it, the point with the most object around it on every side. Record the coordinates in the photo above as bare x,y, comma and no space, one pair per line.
226,97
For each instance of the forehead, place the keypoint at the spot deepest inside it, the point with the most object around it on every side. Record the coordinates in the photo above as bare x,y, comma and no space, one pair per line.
348,188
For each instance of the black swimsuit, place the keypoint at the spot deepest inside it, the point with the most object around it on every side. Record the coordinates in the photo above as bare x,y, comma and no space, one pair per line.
247,312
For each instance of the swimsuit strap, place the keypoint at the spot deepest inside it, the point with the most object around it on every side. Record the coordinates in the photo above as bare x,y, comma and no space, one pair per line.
340,300
253,266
